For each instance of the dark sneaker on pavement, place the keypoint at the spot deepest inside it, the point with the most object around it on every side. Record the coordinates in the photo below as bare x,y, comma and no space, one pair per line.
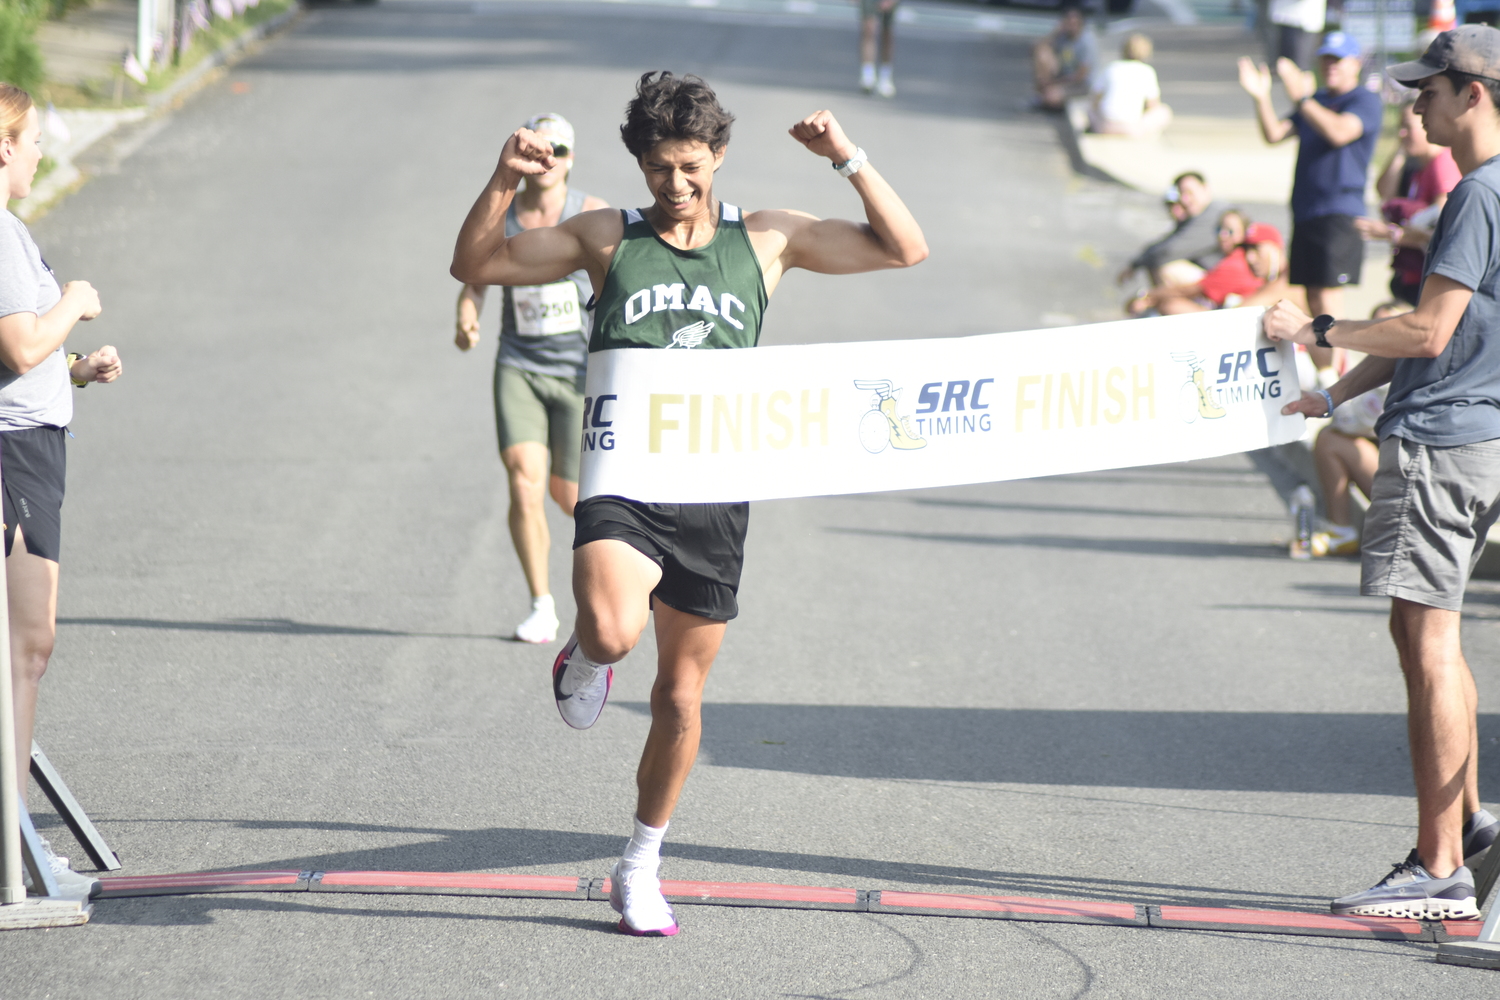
1479,833
1410,892
580,686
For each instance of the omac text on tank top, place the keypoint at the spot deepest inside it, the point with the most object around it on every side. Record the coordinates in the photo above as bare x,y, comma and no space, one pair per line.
656,295
545,328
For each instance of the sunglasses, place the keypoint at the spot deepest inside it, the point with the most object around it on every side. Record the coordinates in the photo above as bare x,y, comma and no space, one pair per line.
558,149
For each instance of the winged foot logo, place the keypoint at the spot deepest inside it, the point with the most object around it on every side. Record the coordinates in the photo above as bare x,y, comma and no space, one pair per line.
1243,377
882,426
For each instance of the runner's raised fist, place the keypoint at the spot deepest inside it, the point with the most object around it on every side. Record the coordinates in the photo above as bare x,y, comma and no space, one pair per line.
527,153
821,134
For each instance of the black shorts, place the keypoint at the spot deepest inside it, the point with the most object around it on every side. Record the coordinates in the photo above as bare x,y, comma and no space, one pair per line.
700,547
1327,252
33,469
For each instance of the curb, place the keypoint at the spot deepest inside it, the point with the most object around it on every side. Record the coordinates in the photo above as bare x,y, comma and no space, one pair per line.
800,897
66,176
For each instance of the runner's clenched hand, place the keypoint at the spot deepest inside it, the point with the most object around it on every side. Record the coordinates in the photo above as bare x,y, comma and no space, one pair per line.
821,134
527,153
101,366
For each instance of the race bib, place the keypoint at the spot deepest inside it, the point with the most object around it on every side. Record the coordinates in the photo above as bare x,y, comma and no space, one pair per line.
547,310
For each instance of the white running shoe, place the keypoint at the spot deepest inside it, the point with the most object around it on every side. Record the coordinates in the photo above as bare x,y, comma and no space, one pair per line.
541,625
70,884
635,893
580,685
867,77
885,87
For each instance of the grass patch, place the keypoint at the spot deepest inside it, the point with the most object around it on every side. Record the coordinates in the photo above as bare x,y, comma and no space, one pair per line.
117,89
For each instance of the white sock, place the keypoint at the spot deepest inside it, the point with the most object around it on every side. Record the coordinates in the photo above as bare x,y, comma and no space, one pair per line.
867,74
544,601
885,73
644,849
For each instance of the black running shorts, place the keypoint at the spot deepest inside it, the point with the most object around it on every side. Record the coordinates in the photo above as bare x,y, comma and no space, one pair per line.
1326,252
33,467
700,547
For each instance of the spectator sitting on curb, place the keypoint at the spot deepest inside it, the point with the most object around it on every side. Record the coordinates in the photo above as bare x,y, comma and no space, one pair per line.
1192,247
1337,127
1265,254
1346,455
1414,185
1226,284
1126,96
1064,61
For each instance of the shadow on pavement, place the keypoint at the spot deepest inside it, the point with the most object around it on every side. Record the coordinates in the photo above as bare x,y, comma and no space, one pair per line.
185,911
263,626
1316,753
1175,547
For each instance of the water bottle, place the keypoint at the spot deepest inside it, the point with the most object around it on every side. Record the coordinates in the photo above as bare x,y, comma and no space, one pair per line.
1302,506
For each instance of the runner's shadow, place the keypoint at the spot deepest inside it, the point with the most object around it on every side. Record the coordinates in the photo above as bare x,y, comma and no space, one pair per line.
189,911
1174,547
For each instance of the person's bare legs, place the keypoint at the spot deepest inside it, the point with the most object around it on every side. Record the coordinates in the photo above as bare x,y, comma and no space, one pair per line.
1342,459
32,585
1178,306
1441,727
526,473
1320,301
867,32
686,646
612,583
1044,70
564,494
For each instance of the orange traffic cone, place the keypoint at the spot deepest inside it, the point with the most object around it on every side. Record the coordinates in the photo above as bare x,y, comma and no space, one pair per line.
1443,16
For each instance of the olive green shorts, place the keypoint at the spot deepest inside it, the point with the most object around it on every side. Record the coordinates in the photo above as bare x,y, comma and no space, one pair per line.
542,408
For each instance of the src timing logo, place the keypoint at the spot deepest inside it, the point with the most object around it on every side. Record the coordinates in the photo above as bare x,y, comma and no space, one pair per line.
1237,383
881,426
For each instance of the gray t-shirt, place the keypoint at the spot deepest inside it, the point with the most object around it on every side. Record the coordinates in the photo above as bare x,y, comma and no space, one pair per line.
545,328
43,396
1454,398
1195,239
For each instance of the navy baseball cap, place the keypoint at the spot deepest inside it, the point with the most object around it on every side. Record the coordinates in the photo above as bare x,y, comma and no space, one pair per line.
1470,48
1340,44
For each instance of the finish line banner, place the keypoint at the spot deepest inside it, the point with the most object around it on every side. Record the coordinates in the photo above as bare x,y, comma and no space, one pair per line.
683,426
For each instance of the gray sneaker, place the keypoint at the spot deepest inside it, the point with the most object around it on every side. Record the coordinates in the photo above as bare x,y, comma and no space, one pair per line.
1410,892
1479,833
580,686
70,884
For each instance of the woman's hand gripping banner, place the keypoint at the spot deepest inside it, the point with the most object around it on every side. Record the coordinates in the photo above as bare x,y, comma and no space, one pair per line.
685,426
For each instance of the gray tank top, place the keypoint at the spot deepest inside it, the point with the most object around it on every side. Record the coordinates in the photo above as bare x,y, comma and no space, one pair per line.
545,328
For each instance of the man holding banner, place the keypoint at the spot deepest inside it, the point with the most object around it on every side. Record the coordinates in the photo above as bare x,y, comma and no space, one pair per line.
689,272
1437,491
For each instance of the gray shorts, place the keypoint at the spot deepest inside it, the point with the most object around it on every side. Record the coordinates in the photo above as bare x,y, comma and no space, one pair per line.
541,408
1427,521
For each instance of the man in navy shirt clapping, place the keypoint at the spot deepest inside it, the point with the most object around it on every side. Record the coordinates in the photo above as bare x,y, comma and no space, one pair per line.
1337,126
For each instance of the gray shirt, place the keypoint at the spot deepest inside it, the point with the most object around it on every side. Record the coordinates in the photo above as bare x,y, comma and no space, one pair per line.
1454,398
43,396
1195,239
545,328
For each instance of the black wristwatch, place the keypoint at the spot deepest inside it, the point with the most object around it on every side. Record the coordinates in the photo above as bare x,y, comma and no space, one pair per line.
1321,325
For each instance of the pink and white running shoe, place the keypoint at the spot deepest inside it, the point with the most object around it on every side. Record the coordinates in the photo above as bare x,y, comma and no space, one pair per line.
635,893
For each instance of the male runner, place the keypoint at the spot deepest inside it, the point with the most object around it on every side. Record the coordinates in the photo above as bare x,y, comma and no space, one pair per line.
877,17
687,272
539,370
1437,489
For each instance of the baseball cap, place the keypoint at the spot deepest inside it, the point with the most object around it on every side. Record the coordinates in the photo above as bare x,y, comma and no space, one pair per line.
554,125
1340,44
1261,232
1469,48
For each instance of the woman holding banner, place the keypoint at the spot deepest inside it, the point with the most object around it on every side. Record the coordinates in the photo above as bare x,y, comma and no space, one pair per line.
36,405
687,272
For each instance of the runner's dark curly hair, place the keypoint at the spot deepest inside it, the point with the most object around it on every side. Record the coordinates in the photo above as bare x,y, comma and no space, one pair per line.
670,107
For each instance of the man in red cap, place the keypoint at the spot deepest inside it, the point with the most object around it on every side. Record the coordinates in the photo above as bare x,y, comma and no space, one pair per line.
1437,491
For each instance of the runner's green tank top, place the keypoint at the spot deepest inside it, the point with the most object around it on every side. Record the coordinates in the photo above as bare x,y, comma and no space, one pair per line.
656,295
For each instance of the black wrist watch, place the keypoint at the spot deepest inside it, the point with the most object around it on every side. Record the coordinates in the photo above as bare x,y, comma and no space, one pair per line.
1321,325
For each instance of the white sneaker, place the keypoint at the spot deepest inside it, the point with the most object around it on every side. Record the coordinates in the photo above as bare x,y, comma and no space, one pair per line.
885,87
70,884
580,685
541,625
635,893
867,77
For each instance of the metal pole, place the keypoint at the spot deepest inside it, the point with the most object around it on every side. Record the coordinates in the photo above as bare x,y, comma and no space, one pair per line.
144,17
11,888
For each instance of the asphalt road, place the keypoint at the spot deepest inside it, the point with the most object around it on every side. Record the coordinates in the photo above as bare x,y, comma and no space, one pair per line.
286,572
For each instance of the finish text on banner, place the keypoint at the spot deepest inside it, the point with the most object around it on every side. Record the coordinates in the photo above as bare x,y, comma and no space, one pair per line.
685,426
